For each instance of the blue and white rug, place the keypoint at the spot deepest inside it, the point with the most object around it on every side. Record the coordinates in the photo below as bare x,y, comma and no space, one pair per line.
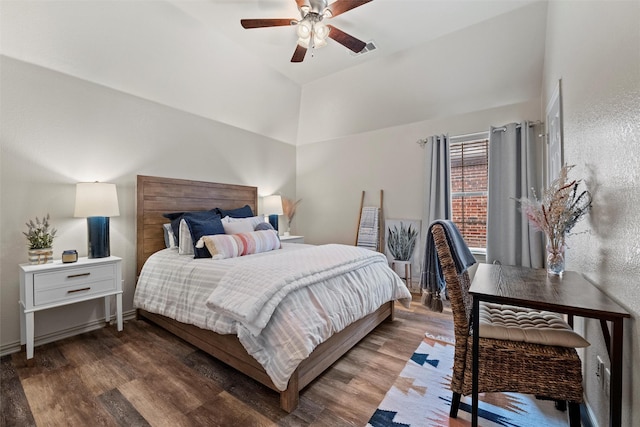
421,396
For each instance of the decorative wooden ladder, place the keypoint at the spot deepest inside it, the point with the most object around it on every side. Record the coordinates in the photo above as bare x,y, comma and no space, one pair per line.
370,225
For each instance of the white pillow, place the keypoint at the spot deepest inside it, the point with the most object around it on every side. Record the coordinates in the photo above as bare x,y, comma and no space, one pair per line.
254,220
169,237
185,245
235,227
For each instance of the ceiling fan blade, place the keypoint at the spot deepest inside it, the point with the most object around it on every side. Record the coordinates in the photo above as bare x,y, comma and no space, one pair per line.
300,3
261,23
345,39
298,55
341,6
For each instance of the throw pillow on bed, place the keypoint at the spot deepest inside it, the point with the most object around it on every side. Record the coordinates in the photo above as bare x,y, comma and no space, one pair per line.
223,246
176,219
202,227
237,227
243,212
254,220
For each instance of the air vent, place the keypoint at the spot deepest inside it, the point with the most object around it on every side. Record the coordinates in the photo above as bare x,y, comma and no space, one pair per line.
371,46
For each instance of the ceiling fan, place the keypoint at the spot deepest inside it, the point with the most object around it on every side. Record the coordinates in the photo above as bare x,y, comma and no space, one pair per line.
312,31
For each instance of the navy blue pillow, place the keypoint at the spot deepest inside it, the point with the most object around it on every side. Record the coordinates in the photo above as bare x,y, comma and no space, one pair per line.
243,212
175,218
203,227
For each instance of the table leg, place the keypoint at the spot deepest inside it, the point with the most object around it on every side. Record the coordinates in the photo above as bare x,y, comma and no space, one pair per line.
476,346
615,387
28,318
107,309
407,274
119,311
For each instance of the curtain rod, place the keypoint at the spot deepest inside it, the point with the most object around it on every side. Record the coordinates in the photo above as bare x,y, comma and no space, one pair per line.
469,135
422,142
532,124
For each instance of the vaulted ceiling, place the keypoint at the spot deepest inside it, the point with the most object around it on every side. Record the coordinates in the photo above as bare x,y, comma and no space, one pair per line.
433,59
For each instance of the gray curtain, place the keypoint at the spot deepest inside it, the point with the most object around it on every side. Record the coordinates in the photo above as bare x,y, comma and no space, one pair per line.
514,150
437,187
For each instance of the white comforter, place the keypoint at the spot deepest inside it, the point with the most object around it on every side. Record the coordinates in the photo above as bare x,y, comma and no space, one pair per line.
315,305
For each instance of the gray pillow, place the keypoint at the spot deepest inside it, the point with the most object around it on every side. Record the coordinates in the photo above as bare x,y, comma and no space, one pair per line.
266,226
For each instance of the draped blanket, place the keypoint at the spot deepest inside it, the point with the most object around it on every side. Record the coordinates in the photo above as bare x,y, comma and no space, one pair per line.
249,293
432,278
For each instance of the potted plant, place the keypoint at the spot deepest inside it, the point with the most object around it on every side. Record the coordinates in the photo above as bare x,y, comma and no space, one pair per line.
401,242
39,239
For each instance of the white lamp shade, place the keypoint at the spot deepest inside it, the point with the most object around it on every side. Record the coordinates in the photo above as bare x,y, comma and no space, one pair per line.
272,205
304,29
96,199
321,30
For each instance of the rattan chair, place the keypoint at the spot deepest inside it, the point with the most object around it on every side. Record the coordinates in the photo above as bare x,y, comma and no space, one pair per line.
545,371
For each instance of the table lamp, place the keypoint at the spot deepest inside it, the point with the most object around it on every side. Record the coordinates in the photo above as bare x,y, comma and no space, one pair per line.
273,207
97,201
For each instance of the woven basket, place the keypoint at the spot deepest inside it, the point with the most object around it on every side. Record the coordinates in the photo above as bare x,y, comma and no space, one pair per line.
40,256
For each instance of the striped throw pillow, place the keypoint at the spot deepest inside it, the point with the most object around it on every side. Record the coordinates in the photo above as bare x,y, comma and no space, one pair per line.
223,246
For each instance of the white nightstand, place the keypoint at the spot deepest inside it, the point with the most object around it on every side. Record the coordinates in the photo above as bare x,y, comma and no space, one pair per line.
44,286
292,239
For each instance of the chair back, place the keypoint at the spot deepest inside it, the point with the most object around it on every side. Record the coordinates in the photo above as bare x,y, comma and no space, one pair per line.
461,303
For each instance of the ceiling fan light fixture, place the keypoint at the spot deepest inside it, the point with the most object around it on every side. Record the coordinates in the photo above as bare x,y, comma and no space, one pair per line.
304,42
304,29
321,31
318,42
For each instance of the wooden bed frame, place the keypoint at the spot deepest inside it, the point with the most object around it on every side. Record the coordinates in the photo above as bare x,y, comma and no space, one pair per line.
156,196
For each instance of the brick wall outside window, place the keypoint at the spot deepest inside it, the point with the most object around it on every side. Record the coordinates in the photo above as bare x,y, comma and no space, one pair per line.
469,173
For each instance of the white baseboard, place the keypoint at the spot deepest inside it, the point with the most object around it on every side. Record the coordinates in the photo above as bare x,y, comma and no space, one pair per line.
15,347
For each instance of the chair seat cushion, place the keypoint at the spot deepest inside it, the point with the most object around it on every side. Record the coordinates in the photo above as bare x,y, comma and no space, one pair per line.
512,323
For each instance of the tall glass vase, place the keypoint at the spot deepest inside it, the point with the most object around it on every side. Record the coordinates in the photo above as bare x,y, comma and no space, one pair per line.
555,255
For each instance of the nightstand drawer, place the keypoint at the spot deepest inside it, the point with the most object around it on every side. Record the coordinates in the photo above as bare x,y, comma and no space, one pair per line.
74,283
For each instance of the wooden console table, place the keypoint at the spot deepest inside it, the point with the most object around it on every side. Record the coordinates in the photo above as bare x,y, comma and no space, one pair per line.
571,294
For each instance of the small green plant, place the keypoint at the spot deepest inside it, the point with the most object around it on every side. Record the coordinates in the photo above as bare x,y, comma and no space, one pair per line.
401,242
40,235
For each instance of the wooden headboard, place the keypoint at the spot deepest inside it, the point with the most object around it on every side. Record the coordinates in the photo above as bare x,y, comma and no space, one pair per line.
156,196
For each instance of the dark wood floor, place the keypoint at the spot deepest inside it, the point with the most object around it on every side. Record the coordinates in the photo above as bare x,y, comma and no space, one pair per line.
145,376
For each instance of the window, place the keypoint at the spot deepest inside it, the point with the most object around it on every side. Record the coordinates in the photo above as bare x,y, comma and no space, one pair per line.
469,176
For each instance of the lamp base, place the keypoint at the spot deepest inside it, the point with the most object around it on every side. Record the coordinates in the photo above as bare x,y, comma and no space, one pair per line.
273,220
98,232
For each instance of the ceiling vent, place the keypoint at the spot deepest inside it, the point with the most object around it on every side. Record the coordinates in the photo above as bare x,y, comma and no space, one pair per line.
371,46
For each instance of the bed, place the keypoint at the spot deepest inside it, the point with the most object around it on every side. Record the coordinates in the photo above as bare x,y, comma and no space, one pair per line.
156,196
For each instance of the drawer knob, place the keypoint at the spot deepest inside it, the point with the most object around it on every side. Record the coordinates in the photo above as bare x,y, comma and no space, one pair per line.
78,290
78,275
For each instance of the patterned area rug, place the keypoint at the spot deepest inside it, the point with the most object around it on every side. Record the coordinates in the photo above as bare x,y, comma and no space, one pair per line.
421,396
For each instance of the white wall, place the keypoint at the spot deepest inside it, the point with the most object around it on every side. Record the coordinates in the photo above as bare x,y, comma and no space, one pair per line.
331,175
58,130
457,73
157,51
594,47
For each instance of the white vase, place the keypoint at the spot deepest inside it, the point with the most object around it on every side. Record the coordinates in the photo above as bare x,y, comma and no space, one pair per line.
40,256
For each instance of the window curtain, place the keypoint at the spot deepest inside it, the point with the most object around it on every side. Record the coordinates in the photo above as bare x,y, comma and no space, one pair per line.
513,174
438,174
437,194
